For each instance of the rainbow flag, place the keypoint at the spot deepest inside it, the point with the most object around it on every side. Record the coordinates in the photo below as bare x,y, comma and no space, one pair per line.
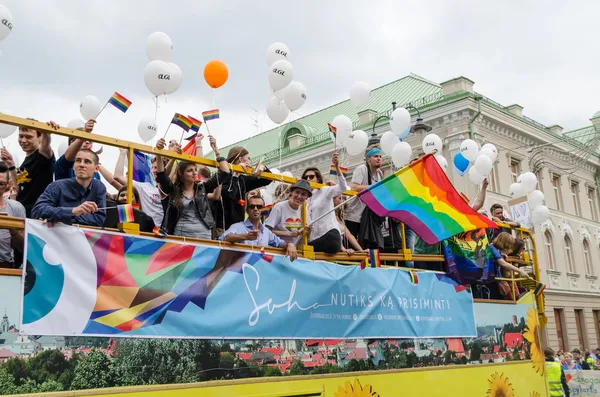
190,148
421,196
333,170
189,138
374,258
136,207
195,123
414,278
125,213
120,102
158,232
364,264
210,115
332,129
182,121
266,211
142,168
539,289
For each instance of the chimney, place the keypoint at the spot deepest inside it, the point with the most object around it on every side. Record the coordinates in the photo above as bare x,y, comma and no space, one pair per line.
515,109
458,84
555,129
366,116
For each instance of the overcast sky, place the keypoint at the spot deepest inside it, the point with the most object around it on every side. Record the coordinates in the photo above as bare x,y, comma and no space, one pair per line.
541,55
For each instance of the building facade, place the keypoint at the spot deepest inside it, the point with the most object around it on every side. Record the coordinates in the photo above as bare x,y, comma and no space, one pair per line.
567,165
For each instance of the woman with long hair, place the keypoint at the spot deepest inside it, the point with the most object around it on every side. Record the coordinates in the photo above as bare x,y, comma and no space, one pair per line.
186,205
349,243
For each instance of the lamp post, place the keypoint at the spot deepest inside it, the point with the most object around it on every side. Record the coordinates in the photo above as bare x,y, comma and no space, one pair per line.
418,127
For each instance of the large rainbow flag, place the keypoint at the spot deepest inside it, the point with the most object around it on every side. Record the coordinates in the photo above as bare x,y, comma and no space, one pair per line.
421,196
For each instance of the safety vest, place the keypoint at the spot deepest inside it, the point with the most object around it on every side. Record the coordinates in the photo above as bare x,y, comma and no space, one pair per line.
553,373
590,361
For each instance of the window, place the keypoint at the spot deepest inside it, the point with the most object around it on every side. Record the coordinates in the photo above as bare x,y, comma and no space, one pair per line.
587,257
580,322
558,319
493,179
569,255
575,196
549,249
515,170
556,190
538,174
591,194
597,326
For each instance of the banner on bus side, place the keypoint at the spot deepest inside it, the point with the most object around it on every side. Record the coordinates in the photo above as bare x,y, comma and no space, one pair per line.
91,282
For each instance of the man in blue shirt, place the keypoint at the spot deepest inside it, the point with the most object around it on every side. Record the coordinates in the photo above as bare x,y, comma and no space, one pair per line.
253,232
63,167
80,200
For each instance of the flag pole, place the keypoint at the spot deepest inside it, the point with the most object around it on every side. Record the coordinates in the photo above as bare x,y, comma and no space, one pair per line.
164,136
101,110
181,139
333,209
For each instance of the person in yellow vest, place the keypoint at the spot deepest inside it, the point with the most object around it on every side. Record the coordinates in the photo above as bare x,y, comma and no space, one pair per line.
590,361
557,382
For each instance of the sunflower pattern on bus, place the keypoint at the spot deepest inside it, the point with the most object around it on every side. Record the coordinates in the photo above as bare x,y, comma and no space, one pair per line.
531,334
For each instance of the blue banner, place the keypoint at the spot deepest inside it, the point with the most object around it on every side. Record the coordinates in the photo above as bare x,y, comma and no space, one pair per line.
90,282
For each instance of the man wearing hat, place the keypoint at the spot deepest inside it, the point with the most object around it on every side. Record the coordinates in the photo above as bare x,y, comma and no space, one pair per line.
285,219
63,167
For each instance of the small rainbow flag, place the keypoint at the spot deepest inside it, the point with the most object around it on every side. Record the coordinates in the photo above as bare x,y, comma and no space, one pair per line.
266,211
190,148
374,258
125,213
414,278
158,232
539,289
195,124
182,121
421,196
136,206
210,115
332,129
120,102
364,264
333,170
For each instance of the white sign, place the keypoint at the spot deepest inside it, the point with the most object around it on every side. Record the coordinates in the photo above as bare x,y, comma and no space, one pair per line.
519,212
583,383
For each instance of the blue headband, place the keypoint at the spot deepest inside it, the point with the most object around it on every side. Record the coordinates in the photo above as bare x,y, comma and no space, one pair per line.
374,151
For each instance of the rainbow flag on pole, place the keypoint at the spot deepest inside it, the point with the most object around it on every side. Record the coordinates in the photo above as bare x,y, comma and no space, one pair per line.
374,259
182,121
210,115
332,129
421,196
125,213
120,102
333,170
195,124
414,278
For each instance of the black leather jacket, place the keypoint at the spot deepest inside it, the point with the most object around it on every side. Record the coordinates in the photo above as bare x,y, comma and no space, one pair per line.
201,200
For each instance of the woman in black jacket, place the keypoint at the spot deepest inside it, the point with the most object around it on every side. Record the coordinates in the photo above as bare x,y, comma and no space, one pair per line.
186,205
231,208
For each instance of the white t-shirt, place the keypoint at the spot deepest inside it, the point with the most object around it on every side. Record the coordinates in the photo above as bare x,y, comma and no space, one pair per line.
355,208
283,217
16,209
150,200
320,203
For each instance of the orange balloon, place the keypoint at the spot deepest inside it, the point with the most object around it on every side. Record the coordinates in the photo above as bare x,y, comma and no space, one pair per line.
216,73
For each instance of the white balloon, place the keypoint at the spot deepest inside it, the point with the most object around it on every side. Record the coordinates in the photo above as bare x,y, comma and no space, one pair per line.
273,185
90,107
294,95
399,121
442,161
388,141
360,94
487,152
16,159
540,214
516,191
494,150
281,73
176,78
288,174
431,143
7,130
535,199
528,180
76,123
62,148
277,51
475,177
157,76
7,22
147,128
277,111
469,149
159,47
357,142
343,126
266,196
483,165
401,154
281,93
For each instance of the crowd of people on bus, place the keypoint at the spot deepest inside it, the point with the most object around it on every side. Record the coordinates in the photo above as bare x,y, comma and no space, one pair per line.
185,199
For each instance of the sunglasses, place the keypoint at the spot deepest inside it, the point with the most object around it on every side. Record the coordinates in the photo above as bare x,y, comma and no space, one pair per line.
255,206
309,176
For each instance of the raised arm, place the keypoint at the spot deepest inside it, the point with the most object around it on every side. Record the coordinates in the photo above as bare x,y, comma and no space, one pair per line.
480,200
45,140
106,174
78,143
120,168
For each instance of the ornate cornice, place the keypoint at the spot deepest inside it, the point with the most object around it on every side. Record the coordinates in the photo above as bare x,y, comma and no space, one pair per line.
508,133
565,229
584,233
547,226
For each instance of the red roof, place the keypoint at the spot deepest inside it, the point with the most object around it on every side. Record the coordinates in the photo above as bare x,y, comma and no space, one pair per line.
496,349
512,339
357,354
5,353
331,342
455,344
312,342
245,356
275,350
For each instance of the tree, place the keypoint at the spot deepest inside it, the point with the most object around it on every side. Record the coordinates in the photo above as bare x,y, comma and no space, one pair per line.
515,354
18,369
297,368
463,360
352,366
411,360
476,351
7,382
47,365
271,371
226,361
94,371
449,356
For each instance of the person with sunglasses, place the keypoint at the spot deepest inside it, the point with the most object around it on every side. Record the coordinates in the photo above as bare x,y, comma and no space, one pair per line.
253,232
325,234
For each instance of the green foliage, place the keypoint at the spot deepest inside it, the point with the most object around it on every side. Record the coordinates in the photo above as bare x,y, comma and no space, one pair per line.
227,360
48,365
94,371
18,370
476,351
297,368
271,371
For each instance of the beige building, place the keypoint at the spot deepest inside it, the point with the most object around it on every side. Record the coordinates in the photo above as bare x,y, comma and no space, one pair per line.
567,165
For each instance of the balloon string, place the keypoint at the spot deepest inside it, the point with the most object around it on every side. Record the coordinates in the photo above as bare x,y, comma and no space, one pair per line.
289,118
155,99
213,95
2,141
